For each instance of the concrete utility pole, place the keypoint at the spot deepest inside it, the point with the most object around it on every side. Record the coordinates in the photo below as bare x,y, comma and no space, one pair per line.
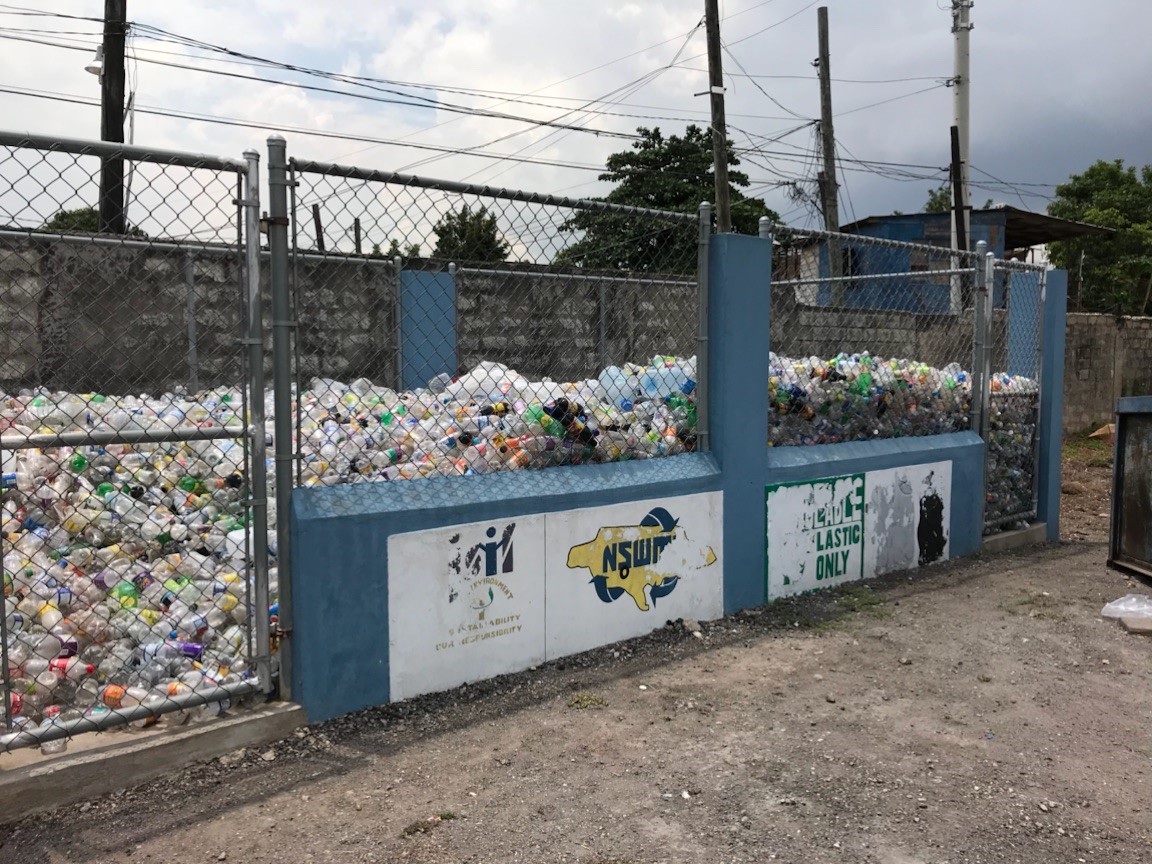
829,188
961,86
719,126
112,116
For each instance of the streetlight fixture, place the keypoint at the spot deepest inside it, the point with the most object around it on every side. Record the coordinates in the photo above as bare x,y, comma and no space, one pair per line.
96,64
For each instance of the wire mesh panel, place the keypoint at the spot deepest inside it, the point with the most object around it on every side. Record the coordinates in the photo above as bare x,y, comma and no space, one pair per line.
448,329
129,590
870,338
1013,433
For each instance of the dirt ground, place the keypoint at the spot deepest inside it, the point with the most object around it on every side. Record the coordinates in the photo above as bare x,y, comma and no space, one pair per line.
981,711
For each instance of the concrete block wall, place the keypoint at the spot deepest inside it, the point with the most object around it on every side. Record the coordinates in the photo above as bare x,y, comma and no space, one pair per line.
1106,357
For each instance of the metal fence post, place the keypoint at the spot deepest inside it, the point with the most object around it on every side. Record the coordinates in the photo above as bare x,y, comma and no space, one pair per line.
282,393
980,337
1043,276
398,314
989,340
193,352
704,242
258,477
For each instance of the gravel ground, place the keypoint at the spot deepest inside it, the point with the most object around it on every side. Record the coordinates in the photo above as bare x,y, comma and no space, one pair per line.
978,712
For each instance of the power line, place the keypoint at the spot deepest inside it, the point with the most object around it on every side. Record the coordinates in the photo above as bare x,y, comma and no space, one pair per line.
296,130
893,99
835,80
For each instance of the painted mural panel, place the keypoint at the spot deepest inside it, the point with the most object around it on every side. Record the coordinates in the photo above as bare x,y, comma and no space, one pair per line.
825,532
621,571
464,603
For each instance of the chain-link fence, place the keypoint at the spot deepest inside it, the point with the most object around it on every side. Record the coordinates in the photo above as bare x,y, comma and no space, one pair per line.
1012,428
871,338
447,329
134,541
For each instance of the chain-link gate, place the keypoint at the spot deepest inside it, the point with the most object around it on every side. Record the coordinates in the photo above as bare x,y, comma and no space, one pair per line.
135,553
1011,430
446,329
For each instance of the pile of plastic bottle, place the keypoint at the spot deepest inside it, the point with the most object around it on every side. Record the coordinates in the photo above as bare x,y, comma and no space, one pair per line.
125,579
859,397
1013,413
124,574
125,565
494,419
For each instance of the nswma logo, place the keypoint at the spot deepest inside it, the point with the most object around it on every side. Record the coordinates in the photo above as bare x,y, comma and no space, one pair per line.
644,561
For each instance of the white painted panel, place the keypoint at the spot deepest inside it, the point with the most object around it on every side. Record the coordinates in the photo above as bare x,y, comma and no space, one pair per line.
908,516
624,570
464,603
826,532
815,534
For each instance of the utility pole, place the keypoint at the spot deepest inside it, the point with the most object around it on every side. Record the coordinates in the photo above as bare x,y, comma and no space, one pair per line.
961,86
829,203
829,188
719,126
112,116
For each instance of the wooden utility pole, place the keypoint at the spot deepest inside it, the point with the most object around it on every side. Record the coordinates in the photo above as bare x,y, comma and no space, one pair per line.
112,116
829,203
719,125
829,188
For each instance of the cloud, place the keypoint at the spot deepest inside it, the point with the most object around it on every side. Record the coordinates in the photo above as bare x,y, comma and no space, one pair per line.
1047,98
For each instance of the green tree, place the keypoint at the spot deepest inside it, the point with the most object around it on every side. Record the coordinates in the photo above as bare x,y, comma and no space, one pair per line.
467,235
940,201
1112,272
84,220
410,250
661,173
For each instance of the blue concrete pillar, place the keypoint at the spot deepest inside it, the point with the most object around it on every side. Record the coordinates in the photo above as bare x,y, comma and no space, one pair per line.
1052,400
427,326
739,278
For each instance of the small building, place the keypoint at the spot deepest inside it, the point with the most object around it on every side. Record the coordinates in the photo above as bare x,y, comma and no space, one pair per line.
1009,232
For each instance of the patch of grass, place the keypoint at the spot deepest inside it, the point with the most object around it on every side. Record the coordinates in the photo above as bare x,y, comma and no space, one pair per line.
584,700
860,598
1091,452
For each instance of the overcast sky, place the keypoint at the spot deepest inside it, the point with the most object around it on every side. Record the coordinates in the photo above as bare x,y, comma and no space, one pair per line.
1055,85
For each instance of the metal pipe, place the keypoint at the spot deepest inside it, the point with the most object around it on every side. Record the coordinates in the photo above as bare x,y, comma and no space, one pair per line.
190,323
574,277
80,147
351,173
258,477
872,277
398,316
703,245
123,716
180,247
86,437
282,393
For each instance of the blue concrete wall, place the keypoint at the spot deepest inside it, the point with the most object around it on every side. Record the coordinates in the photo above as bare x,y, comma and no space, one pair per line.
340,555
427,326
964,449
1052,400
739,278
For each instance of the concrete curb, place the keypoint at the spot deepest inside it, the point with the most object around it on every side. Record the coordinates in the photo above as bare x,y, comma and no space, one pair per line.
1033,535
71,778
